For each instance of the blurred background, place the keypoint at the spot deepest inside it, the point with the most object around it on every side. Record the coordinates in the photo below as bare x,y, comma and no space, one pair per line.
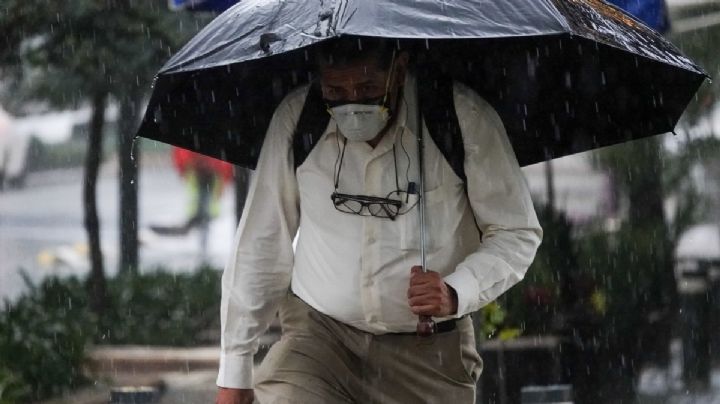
111,248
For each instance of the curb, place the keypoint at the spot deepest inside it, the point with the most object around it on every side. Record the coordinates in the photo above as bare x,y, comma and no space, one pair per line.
111,360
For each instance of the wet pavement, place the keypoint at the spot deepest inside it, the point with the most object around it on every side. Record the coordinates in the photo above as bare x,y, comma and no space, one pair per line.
42,232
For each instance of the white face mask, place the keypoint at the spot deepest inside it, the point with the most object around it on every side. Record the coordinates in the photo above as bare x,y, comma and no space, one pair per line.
360,122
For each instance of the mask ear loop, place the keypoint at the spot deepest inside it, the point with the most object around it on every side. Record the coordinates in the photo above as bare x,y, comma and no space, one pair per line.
390,76
339,162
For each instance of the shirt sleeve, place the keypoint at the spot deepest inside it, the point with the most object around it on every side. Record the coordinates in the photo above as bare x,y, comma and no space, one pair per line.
501,203
258,273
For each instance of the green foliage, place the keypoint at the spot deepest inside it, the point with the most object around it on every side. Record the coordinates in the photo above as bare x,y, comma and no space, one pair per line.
699,45
534,304
44,334
160,308
64,52
42,341
12,387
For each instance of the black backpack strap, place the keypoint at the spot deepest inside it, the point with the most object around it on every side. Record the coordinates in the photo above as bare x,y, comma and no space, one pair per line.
311,125
437,106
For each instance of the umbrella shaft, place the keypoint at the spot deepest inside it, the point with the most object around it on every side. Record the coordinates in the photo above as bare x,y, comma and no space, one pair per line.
421,169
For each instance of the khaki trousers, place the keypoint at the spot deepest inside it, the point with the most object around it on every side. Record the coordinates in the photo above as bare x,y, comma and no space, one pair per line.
320,360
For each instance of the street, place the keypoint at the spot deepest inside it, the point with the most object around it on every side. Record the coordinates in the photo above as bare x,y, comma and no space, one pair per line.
41,226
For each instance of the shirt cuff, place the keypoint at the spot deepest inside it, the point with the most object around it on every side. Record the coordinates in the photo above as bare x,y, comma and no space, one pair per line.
466,287
236,371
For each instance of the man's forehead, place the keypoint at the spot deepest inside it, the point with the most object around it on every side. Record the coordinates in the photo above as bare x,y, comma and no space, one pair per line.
356,72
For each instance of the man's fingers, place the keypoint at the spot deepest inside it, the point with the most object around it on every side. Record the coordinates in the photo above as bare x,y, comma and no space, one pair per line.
427,310
417,278
425,300
424,289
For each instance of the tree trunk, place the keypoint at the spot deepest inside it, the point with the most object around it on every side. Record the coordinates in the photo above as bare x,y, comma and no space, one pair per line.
129,159
647,216
96,282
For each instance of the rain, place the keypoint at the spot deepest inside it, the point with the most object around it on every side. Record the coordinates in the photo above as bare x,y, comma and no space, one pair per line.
134,160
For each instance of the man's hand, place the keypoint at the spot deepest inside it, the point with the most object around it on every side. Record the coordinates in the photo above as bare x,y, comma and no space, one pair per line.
429,295
234,396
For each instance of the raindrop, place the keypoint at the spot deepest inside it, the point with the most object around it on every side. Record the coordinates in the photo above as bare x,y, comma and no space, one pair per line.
427,44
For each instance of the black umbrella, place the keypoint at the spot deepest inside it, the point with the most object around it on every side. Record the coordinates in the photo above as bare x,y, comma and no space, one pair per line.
565,75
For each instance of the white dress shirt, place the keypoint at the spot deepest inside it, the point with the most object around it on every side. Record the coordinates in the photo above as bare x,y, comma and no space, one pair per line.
356,269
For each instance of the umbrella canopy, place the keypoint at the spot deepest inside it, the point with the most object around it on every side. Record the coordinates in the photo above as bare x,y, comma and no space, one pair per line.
565,75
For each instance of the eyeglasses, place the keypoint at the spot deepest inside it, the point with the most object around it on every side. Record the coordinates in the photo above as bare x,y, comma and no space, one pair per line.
364,205
389,207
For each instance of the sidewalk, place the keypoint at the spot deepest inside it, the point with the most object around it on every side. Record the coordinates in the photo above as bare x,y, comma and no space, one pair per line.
182,375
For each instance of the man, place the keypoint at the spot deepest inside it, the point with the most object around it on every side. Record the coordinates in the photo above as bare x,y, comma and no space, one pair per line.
355,287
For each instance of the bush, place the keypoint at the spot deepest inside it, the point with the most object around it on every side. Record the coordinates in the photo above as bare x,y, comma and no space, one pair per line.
12,388
537,304
44,334
42,341
161,308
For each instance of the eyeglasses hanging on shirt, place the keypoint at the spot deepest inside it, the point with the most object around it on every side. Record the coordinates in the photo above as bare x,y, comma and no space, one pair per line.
389,207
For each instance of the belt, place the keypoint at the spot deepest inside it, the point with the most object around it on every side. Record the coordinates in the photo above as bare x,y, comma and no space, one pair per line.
440,328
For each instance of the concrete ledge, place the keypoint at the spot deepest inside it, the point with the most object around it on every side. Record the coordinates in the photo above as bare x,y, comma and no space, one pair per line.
113,360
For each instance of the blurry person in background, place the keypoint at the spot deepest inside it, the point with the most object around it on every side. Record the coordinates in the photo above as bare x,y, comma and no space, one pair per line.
205,179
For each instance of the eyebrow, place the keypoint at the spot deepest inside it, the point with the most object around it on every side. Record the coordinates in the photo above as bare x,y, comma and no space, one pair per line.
355,83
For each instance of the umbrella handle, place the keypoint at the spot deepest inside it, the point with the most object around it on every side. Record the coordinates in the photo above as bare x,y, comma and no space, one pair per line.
425,326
